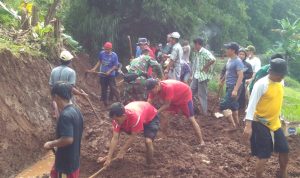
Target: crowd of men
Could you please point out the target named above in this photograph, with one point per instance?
(176, 80)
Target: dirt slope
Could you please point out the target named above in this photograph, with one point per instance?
(24, 116)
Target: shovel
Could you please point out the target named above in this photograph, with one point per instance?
(90, 103)
(93, 108)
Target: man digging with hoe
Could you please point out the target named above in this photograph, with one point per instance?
(134, 118)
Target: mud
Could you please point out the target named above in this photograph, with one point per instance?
(178, 155)
(226, 154)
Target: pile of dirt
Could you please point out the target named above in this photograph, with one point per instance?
(24, 102)
(179, 155)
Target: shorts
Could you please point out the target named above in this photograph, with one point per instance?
(55, 174)
(228, 102)
(262, 144)
(187, 109)
(151, 129)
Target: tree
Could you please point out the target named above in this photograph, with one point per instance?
(289, 44)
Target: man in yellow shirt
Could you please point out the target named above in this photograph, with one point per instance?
(263, 119)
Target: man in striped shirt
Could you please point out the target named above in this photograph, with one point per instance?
(202, 65)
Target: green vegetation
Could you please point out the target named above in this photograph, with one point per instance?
(247, 22)
(16, 49)
(289, 44)
(291, 105)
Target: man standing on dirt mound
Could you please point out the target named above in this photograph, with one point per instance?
(108, 63)
(263, 123)
(68, 133)
(176, 96)
(66, 74)
(134, 118)
(233, 78)
(173, 69)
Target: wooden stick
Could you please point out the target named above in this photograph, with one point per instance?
(130, 47)
(101, 170)
(95, 72)
(92, 106)
(98, 172)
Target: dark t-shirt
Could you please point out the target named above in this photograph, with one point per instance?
(70, 124)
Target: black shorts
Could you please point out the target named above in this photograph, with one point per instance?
(228, 102)
(262, 144)
(151, 129)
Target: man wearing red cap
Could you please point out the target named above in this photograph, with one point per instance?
(108, 63)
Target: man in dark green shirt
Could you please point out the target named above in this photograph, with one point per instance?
(264, 71)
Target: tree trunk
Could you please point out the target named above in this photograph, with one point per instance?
(35, 16)
(52, 11)
(24, 20)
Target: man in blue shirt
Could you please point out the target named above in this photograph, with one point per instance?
(233, 79)
(108, 63)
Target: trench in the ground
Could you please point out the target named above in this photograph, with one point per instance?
(40, 168)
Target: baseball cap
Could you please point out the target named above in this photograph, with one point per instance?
(66, 56)
(116, 109)
(142, 41)
(151, 83)
(107, 45)
(278, 66)
(250, 48)
(175, 35)
(232, 45)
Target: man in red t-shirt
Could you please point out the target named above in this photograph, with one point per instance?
(176, 96)
(134, 118)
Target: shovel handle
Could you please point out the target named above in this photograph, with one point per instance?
(101, 170)
(88, 71)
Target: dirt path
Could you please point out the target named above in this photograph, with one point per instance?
(179, 155)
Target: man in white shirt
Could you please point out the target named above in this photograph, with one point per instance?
(253, 60)
(173, 70)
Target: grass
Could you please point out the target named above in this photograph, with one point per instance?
(17, 49)
(291, 101)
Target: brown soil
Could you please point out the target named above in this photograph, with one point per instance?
(24, 105)
(179, 155)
